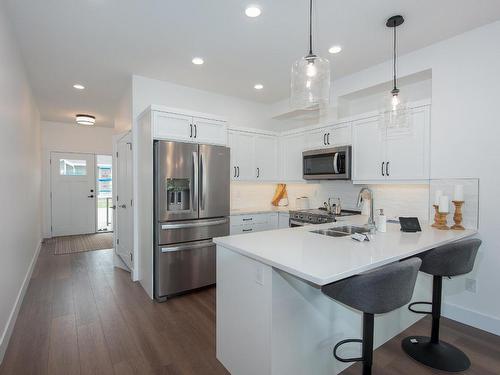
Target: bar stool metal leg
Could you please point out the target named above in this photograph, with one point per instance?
(368, 320)
(430, 351)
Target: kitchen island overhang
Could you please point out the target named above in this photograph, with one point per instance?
(271, 315)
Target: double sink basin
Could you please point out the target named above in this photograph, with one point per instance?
(345, 230)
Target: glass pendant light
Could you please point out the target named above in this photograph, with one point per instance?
(310, 78)
(396, 112)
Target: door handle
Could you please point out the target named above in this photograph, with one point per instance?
(387, 168)
(324, 139)
(113, 207)
(383, 168)
(195, 130)
(194, 224)
(203, 183)
(328, 138)
(123, 206)
(90, 196)
(238, 171)
(191, 133)
(258, 172)
(206, 243)
(234, 175)
(194, 183)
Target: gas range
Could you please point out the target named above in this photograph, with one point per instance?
(300, 218)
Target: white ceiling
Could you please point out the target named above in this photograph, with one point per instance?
(101, 43)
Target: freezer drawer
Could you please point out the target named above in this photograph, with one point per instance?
(183, 267)
(192, 230)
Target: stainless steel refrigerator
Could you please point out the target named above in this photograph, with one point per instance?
(191, 207)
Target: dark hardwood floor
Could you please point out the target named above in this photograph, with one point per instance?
(82, 316)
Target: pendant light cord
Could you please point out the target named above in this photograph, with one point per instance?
(394, 59)
(310, 27)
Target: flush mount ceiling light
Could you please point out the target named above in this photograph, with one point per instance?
(253, 11)
(79, 86)
(310, 78)
(335, 49)
(258, 86)
(197, 61)
(396, 114)
(87, 120)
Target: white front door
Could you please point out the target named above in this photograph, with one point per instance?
(123, 198)
(72, 193)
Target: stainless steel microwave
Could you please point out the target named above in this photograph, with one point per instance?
(327, 164)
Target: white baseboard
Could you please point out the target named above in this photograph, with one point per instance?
(4, 340)
(472, 318)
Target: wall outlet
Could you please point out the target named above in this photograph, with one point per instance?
(470, 285)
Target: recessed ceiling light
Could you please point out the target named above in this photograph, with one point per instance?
(197, 61)
(253, 11)
(258, 86)
(335, 49)
(82, 119)
(78, 86)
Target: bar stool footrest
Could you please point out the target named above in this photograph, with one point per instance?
(346, 360)
(441, 355)
(410, 307)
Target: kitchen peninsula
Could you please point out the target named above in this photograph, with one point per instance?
(268, 293)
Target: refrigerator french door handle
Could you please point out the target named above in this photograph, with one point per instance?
(203, 184)
(195, 182)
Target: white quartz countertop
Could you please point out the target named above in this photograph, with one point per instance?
(258, 210)
(322, 259)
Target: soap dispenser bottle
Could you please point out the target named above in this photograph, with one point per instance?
(381, 221)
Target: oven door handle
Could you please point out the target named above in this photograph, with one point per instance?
(335, 163)
(297, 222)
(169, 249)
(194, 224)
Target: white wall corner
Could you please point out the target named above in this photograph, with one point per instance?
(9, 327)
(472, 318)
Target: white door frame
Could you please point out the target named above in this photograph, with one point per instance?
(118, 261)
(51, 186)
(96, 191)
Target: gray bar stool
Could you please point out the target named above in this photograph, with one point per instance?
(374, 292)
(448, 260)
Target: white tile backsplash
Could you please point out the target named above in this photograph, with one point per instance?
(396, 200)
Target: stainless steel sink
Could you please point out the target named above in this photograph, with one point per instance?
(345, 230)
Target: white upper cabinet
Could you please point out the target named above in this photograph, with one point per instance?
(254, 157)
(408, 151)
(368, 149)
(242, 155)
(266, 157)
(381, 154)
(291, 149)
(185, 128)
(209, 131)
(332, 136)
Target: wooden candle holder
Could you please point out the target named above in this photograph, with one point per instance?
(440, 219)
(457, 217)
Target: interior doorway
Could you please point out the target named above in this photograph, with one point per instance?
(104, 184)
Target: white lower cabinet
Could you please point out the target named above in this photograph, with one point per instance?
(258, 222)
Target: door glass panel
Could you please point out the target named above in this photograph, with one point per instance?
(70, 167)
(178, 194)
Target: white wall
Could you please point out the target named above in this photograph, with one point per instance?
(238, 112)
(69, 137)
(123, 116)
(20, 198)
(464, 143)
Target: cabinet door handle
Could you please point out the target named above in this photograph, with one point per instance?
(238, 171)
(387, 168)
(258, 172)
(195, 130)
(247, 230)
(383, 168)
(324, 139)
(191, 132)
(234, 175)
(328, 138)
